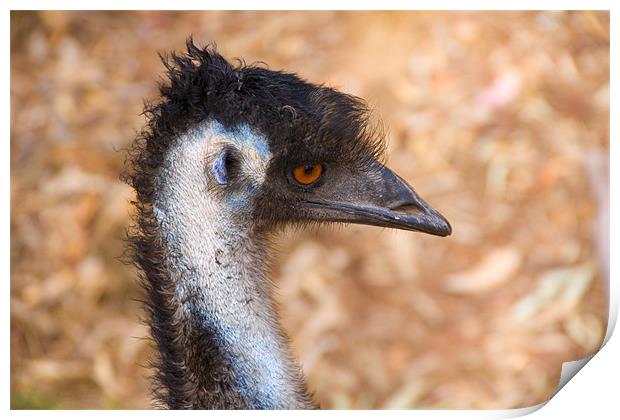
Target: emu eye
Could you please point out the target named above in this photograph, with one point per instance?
(308, 174)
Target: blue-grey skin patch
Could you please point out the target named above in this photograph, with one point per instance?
(244, 135)
(261, 392)
(249, 394)
(242, 197)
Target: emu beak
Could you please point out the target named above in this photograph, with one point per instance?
(385, 200)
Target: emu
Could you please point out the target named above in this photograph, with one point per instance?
(228, 156)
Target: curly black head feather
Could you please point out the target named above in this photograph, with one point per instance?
(298, 118)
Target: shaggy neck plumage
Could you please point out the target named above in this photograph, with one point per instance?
(212, 315)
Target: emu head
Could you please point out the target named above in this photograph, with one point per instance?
(282, 150)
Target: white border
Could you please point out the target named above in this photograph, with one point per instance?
(594, 392)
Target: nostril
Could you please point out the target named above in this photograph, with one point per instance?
(407, 208)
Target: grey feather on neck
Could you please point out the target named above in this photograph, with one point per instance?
(235, 351)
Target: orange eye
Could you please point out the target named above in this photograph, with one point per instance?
(307, 174)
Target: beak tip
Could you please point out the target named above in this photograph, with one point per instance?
(446, 229)
(441, 225)
(442, 228)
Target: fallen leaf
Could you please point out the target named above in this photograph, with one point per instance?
(497, 267)
(565, 286)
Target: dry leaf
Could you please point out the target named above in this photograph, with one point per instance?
(497, 267)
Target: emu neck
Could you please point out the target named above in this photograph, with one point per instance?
(230, 351)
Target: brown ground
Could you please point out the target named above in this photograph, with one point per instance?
(497, 119)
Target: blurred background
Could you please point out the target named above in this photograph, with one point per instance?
(500, 120)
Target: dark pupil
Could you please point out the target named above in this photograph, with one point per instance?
(308, 169)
